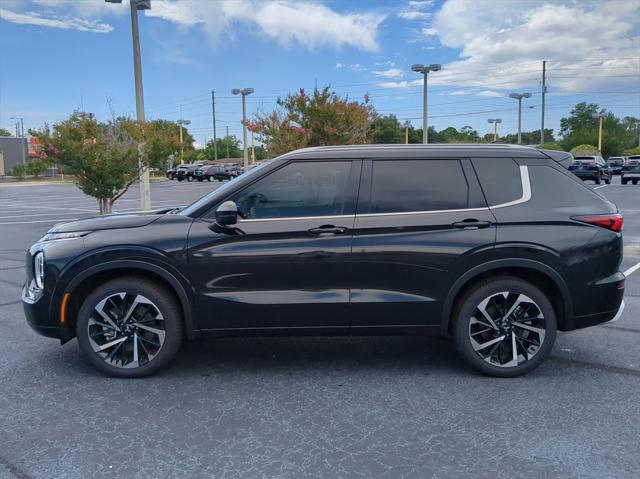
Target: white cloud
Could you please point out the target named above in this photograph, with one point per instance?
(490, 94)
(400, 84)
(286, 22)
(389, 73)
(415, 10)
(356, 67)
(503, 48)
(62, 22)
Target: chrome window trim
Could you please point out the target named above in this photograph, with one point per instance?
(240, 220)
(526, 196)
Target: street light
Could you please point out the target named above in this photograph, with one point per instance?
(519, 97)
(145, 190)
(495, 122)
(425, 69)
(21, 136)
(244, 92)
(182, 122)
(599, 116)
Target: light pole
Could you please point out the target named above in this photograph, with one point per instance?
(244, 92)
(599, 116)
(495, 122)
(182, 122)
(519, 97)
(425, 69)
(21, 136)
(145, 190)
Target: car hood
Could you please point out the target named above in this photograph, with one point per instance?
(107, 222)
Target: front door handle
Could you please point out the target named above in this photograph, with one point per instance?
(471, 224)
(328, 230)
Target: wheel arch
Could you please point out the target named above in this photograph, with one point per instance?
(537, 273)
(98, 274)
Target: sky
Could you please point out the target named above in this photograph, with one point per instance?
(62, 55)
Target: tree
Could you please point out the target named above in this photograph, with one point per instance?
(550, 146)
(104, 157)
(5, 132)
(581, 128)
(387, 129)
(229, 144)
(530, 137)
(322, 118)
(585, 149)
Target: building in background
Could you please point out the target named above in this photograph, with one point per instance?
(14, 151)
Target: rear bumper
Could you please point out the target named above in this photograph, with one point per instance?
(585, 175)
(610, 296)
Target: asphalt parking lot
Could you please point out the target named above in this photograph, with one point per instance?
(309, 407)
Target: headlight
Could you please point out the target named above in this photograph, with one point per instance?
(38, 269)
(63, 236)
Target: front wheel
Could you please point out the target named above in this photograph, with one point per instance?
(635, 182)
(129, 328)
(607, 181)
(189, 178)
(623, 181)
(504, 327)
(598, 179)
(208, 178)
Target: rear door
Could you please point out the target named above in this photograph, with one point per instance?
(417, 223)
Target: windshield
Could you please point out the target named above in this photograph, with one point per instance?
(220, 190)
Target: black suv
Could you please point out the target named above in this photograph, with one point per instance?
(591, 168)
(630, 170)
(615, 164)
(213, 172)
(498, 246)
(183, 172)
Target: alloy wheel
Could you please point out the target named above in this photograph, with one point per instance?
(126, 330)
(507, 329)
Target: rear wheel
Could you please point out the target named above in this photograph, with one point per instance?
(598, 179)
(208, 178)
(607, 181)
(623, 181)
(635, 182)
(129, 328)
(189, 178)
(504, 327)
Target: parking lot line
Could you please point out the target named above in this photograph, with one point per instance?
(602, 186)
(633, 269)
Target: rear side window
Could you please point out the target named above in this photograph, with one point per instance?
(553, 189)
(500, 179)
(399, 186)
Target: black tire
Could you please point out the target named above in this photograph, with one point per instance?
(189, 178)
(623, 181)
(467, 308)
(208, 178)
(598, 179)
(162, 300)
(607, 181)
(635, 182)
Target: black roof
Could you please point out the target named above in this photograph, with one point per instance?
(426, 151)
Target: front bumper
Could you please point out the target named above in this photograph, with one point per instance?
(35, 304)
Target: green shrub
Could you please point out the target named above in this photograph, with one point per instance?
(549, 146)
(36, 167)
(584, 150)
(20, 171)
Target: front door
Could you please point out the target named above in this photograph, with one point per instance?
(417, 224)
(286, 268)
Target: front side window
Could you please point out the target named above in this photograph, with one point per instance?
(417, 185)
(299, 189)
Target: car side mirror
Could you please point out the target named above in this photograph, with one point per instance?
(227, 213)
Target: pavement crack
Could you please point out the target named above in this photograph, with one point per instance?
(620, 328)
(10, 303)
(13, 469)
(598, 366)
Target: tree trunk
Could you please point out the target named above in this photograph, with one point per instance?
(105, 206)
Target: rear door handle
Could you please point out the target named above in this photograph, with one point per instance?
(471, 224)
(328, 230)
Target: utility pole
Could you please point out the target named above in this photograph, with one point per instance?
(599, 116)
(544, 92)
(227, 141)
(406, 135)
(253, 150)
(20, 134)
(425, 69)
(213, 109)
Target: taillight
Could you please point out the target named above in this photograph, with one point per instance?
(611, 222)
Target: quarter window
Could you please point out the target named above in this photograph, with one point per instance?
(417, 185)
(299, 189)
(500, 179)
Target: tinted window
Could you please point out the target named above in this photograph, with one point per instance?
(417, 185)
(500, 179)
(553, 189)
(303, 188)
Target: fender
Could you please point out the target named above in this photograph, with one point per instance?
(161, 271)
(500, 264)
